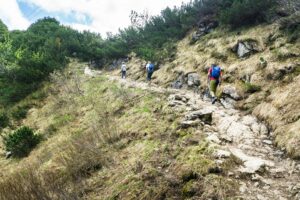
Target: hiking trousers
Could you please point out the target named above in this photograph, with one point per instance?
(149, 75)
(213, 84)
(124, 74)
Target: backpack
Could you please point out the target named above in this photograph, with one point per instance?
(215, 72)
(151, 67)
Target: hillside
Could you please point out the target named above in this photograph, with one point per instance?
(147, 142)
(264, 83)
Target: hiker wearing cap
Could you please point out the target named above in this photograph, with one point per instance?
(149, 70)
(214, 80)
(123, 70)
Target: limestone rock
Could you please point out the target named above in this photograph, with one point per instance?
(187, 124)
(251, 164)
(204, 115)
(214, 138)
(88, 72)
(193, 80)
(278, 172)
(246, 48)
(186, 80)
(176, 103)
(268, 142)
(8, 155)
(222, 154)
(231, 92)
(225, 138)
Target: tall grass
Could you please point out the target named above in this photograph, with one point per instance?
(73, 160)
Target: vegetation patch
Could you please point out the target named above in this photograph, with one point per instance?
(4, 119)
(21, 141)
(250, 88)
(238, 13)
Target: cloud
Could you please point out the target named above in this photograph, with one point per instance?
(104, 15)
(12, 16)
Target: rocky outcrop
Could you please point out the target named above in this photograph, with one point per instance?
(251, 165)
(231, 92)
(193, 80)
(204, 115)
(246, 48)
(184, 81)
(205, 26)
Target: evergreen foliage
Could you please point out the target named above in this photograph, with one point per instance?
(21, 141)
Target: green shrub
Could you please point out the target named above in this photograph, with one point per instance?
(291, 26)
(250, 88)
(246, 12)
(4, 120)
(19, 112)
(21, 141)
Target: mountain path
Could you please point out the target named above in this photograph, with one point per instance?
(265, 173)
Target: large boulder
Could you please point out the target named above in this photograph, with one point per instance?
(231, 92)
(189, 80)
(246, 48)
(205, 115)
(193, 80)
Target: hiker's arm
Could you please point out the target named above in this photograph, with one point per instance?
(208, 76)
(221, 78)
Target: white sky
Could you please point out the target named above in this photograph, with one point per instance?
(105, 15)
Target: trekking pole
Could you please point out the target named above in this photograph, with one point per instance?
(208, 88)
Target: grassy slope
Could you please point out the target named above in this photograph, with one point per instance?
(278, 101)
(104, 141)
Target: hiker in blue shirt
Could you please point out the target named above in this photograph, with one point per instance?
(214, 79)
(150, 70)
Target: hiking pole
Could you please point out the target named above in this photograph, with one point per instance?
(208, 89)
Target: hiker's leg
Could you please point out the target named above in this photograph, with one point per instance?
(213, 88)
(150, 75)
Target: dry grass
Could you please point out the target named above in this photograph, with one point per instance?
(108, 142)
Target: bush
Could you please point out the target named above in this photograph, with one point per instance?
(246, 12)
(21, 141)
(20, 112)
(291, 26)
(4, 120)
(251, 88)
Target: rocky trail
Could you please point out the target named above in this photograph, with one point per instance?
(265, 171)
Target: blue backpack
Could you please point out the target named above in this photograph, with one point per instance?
(151, 67)
(215, 72)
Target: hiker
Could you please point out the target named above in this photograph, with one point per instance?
(214, 80)
(149, 70)
(123, 70)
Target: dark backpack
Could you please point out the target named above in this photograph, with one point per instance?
(151, 67)
(216, 72)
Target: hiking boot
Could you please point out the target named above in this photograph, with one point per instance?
(214, 100)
